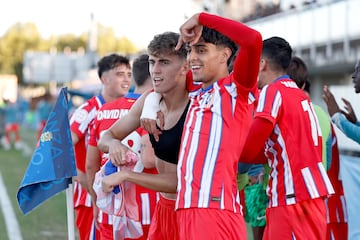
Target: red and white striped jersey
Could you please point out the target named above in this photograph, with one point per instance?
(217, 124)
(80, 124)
(106, 116)
(109, 114)
(294, 147)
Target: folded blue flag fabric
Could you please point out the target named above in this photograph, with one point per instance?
(52, 165)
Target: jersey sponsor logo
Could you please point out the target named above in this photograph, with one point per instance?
(216, 199)
(111, 114)
(290, 195)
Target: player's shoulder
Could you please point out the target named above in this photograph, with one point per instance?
(91, 102)
(110, 105)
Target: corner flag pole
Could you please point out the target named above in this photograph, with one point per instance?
(70, 212)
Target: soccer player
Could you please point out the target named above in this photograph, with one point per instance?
(168, 69)
(286, 134)
(114, 72)
(336, 215)
(138, 141)
(216, 125)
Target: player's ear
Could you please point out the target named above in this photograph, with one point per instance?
(263, 64)
(185, 68)
(226, 54)
(103, 79)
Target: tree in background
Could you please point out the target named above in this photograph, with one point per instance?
(22, 37)
(18, 39)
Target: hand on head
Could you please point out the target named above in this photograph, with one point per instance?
(190, 31)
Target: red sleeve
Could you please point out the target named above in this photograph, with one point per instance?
(253, 151)
(93, 134)
(74, 126)
(247, 61)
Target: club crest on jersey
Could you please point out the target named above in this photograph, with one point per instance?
(81, 115)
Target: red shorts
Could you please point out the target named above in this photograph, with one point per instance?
(12, 127)
(164, 224)
(208, 224)
(85, 223)
(305, 220)
(337, 231)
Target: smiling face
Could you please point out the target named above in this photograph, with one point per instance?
(208, 62)
(117, 80)
(356, 77)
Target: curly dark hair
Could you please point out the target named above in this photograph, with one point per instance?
(165, 43)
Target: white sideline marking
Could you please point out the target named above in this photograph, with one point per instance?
(12, 225)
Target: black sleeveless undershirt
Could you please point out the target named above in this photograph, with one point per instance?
(168, 146)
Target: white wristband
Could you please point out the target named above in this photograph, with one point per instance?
(151, 106)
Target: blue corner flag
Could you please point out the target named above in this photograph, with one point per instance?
(52, 165)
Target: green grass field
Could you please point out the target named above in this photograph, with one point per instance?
(49, 220)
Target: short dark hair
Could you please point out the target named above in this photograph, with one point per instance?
(212, 36)
(278, 51)
(298, 71)
(111, 61)
(165, 43)
(140, 69)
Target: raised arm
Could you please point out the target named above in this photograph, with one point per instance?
(247, 62)
(350, 129)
